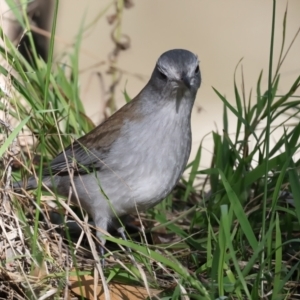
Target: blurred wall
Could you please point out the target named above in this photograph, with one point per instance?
(220, 32)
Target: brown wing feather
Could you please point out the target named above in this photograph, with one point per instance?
(88, 152)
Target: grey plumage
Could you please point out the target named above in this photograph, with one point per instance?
(136, 156)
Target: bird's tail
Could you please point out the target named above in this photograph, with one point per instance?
(31, 184)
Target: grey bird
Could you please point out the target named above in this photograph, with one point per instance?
(134, 159)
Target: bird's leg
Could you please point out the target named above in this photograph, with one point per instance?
(121, 231)
(101, 247)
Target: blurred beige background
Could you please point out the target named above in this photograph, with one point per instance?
(220, 32)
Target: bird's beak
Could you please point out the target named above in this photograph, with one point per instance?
(185, 80)
(184, 84)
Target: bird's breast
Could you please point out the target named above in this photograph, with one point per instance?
(150, 156)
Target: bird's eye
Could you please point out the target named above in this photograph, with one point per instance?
(197, 69)
(162, 75)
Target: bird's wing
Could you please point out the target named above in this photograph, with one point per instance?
(89, 152)
(76, 157)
